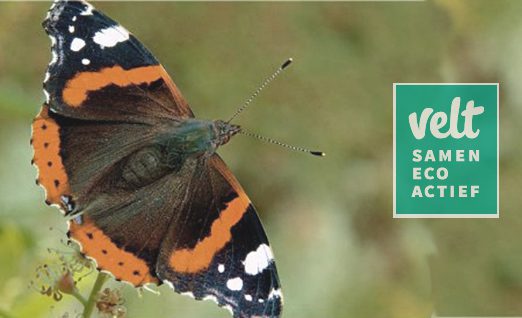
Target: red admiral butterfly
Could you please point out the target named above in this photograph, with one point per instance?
(119, 151)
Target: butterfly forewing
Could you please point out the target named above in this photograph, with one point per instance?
(99, 70)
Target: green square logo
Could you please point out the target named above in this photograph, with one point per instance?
(446, 150)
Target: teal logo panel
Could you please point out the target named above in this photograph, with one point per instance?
(446, 150)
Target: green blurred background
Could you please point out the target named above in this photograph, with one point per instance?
(339, 252)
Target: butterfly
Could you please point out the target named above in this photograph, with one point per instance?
(119, 151)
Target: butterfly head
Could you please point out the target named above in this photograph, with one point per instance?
(225, 131)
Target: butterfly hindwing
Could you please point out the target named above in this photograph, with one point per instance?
(46, 144)
(195, 230)
(231, 262)
(82, 166)
(123, 228)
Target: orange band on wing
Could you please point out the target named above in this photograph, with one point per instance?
(46, 144)
(122, 264)
(76, 89)
(200, 257)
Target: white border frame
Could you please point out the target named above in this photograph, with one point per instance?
(444, 215)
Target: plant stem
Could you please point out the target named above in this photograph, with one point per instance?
(98, 284)
(79, 297)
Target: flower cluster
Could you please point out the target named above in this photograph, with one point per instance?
(111, 304)
(57, 276)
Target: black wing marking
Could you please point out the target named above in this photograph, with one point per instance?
(241, 274)
(89, 45)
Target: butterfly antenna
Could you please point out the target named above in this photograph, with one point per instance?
(260, 88)
(272, 141)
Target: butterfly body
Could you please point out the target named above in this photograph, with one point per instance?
(190, 138)
(194, 138)
(119, 151)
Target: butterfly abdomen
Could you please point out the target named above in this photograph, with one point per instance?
(145, 166)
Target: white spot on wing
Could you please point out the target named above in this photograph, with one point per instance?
(235, 284)
(54, 57)
(88, 9)
(109, 37)
(74, 18)
(54, 13)
(190, 294)
(77, 44)
(53, 40)
(256, 261)
(275, 293)
(47, 97)
(221, 268)
(71, 28)
(260, 300)
(248, 297)
(78, 220)
(86, 61)
(169, 284)
(46, 78)
(211, 297)
(150, 288)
